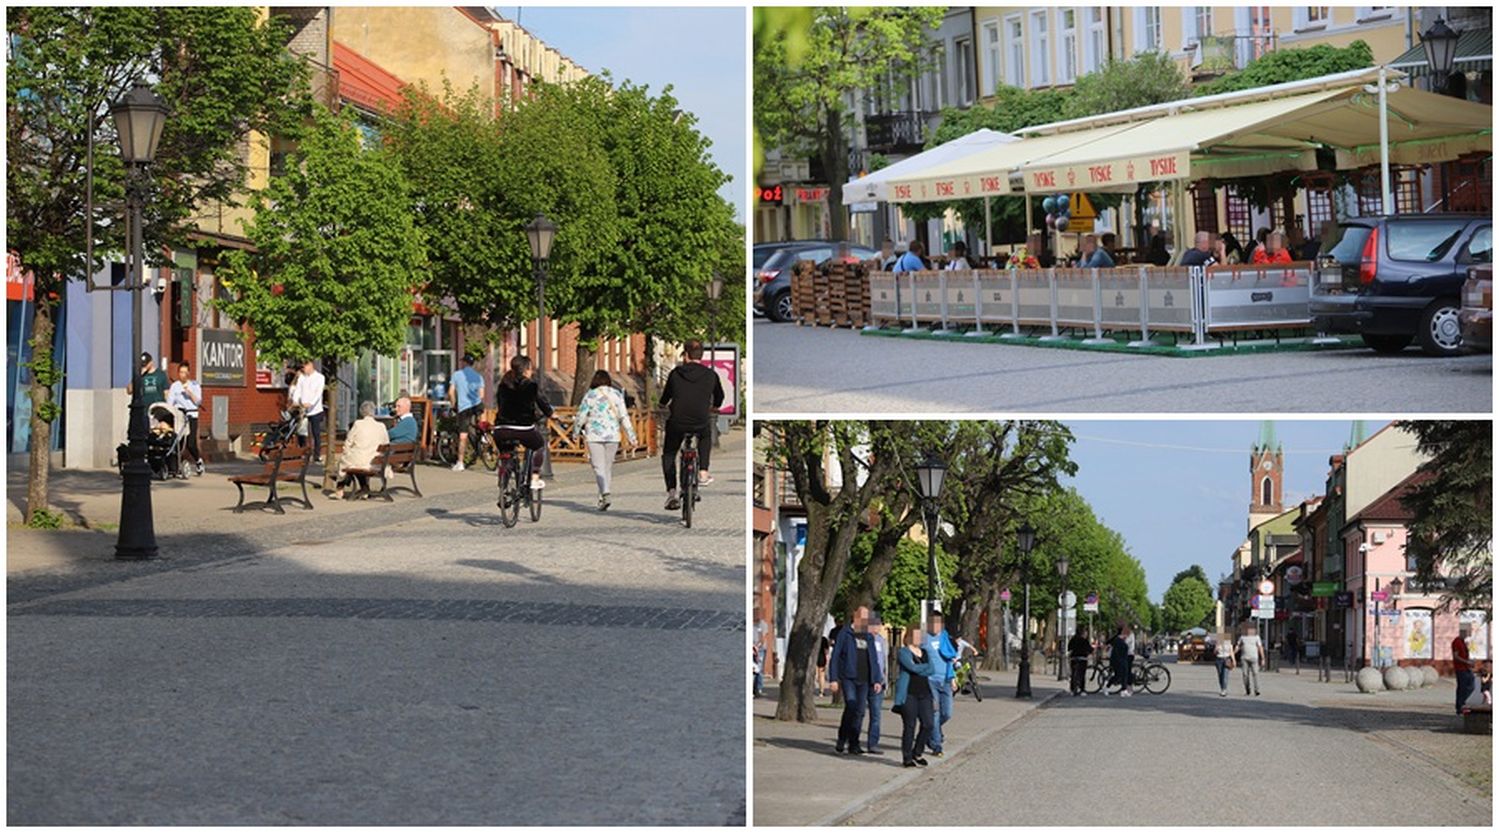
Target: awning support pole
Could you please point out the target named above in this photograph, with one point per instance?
(1386, 197)
(988, 231)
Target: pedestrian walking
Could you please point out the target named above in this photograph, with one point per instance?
(1251, 658)
(943, 652)
(1462, 665)
(881, 657)
(1079, 649)
(851, 665)
(913, 696)
(601, 417)
(186, 395)
(308, 395)
(1223, 655)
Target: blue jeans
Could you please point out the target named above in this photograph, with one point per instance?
(942, 705)
(876, 705)
(855, 697)
(1466, 682)
(1222, 674)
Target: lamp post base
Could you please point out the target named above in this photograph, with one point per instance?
(1023, 681)
(137, 537)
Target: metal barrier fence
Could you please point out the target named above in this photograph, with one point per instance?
(1145, 299)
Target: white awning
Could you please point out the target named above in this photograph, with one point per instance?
(874, 186)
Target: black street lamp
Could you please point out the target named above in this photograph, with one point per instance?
(1062, 610)
(929, 475)
(139, 118)
(540, 233)
(1440, 44)
(1025, 540)
(715, 290)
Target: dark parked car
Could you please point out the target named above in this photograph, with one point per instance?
(1477, 314)
(1397, 279)
(772, 263)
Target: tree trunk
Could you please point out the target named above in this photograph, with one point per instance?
(830, 535)
(587, 360)
(835, 168)
(995, 658)
(41, 399)
(650, 373)
(330, 421)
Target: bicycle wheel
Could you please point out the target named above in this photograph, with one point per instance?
(534, 502)
(973, 683)
(1096, 677)
(510, 494)
(689, 491)
(1157, 679)
(445, 448)
(471, 452)
(488, 454)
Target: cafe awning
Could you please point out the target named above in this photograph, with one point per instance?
(874, 186)
(1474, 53)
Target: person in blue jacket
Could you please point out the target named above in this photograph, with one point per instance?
(852, 667)
(913, 696)
(881, 682)
(911, 261)
(943, 652)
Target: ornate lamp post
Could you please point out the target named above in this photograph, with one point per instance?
(1062, 610)
(139, 118)
(1025, 540)
(1440, 43)
(540, 233)
(929, 476)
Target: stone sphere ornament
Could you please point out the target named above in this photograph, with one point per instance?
(1429, 676)
(1369, 680)
(1395, 678)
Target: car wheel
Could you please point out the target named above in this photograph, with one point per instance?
(1386, 344)
(780, 308)
(1441, 334)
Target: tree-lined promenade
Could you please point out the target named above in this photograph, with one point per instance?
(429, 199)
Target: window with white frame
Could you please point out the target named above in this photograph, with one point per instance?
(1204, 16)
(1189, 27)
(1066, 46)
(1311, 17)
(993, 56)
(1364, 13)
(963, 47)
(1040, 49)
(1098, 42)
(1015, 51)
(1147, 29)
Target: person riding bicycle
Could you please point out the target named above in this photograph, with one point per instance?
(693, 394)
(519, 399)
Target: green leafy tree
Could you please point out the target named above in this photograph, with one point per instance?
(1194, 571)
(803, 84)
(1283, 65)
(222, 72)
(905, 585)
(447, 146)
(1187, 604)
(337, 257)
(1451, 536)
(1149, 78)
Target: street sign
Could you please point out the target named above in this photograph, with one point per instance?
(1090, 603)
(1324, 588)
(1263, 613)
(1379, 596)
(1004, 595)
(1067, 600)
(1267, 586)
(1080, 208)
(1294, 574)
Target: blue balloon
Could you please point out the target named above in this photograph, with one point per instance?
(1049, 205)
(1062, 222)
(1062, 203)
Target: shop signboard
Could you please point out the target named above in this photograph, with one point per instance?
(1344, 599)
(1294, 574)
(1324, 588)
(221, 358)
(1379, 596)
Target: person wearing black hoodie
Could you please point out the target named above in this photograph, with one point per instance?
(522, 413)
(692, 395)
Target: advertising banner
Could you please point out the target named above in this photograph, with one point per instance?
(995, 295)
(1153, 168)
(1478, 633)
(1418, 636)
(724, 359)
(1245, 296)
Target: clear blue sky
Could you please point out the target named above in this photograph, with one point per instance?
(699, 51)
(1179, 491)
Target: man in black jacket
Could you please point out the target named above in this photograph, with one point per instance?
(1080, 649)
(693, 395)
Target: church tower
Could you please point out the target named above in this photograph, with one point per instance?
(1266, 476)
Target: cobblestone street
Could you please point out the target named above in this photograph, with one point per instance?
(414, 663)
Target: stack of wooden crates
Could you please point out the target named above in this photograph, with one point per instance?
(839, 298)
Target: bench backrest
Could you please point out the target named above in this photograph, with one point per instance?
(399, 455)
(291, 461)
(382, 456)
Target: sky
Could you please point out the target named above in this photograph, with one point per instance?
(701, 52)
(1179, 490)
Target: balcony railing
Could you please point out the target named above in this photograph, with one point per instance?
(898, 132)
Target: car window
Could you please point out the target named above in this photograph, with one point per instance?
(1425, 241)
(1350, 245)
(1480, 248)
(815, 255)
(762, 255)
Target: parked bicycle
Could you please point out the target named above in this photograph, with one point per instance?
(481, 445)
(1145, 675)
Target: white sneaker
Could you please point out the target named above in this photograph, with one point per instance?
(537, 484)
(1082, 694)
(1223, 694)
(458, 466)
(704, 479)
(1124, 693)
(1105, 692)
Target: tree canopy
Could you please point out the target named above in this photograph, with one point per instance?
(1451, 536)
(1187, 604)
(1280, 66)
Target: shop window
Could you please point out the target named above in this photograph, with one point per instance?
(1240, 216)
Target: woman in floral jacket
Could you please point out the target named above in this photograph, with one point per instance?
(601, 417)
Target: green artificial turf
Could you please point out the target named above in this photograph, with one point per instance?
(1161, 343)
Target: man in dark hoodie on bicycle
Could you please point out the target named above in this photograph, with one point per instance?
(692, 395)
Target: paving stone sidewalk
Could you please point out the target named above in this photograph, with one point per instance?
(800, 781)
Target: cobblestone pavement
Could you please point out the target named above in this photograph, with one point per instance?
(1304, 753)
(407, 664)
(820, 370)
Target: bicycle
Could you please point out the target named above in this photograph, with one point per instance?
(480, 448)
(968, 678)
(515, 482)
(688, 478)
(1151, 676)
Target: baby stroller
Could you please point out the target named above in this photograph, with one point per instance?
(166, 436)
(278, 434)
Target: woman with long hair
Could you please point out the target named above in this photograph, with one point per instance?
(601, 417)
(519, 399)
(913, 697)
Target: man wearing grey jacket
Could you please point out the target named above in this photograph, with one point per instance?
(880, 655)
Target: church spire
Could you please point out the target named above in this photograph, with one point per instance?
(1267, 441)
(1357, 435)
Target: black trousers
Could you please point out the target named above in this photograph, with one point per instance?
(315, 433)
(915, 712)
(674, 438)
(855, 696)
(530, 438)
(192, 438)
(1079, 673)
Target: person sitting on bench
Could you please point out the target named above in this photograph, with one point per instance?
(361, 445)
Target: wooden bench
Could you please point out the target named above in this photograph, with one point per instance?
(401, 458)
(285, 465)
(1478, 719)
